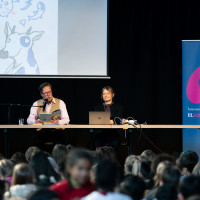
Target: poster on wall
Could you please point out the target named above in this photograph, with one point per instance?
(191, 93)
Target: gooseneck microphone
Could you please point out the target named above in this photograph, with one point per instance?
(44, 105)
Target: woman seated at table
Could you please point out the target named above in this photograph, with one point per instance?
(109, 137)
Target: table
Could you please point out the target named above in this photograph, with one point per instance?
(91, 127)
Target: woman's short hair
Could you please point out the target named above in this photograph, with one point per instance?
(109, 88)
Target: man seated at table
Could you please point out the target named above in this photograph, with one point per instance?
(51, 103)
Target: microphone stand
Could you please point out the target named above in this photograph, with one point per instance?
(6, 138)
(10, 105)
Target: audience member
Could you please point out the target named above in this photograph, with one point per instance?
(6, 169)
(149, 155)
(145, 173)
(132, 165)
(133, 186)
(187, 162)
(23, 179)
(105, 153)
(18, 157)
(158, 159)
(43, 170)
(107, 177)
(30, 152)
(189, 186)
(166, 192)
(77, 184)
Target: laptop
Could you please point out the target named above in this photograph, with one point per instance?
(99, 117)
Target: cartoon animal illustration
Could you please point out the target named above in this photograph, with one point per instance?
(19, 47)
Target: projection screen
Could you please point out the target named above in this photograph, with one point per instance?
(53, 38)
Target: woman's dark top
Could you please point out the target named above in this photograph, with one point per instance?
(116, 110)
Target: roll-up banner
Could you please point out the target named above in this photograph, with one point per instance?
(191, 93)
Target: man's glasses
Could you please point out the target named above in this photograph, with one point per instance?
(47, 93)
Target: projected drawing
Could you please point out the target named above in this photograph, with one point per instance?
(18, 47)
(6, 7)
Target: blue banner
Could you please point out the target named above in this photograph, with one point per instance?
(191, 93)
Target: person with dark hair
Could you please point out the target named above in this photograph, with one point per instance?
(189, 186)
(186, 162)
(133, 186)
(51, 104)
(146, 175)
(30, 152)
(18, 157)
(77, 170)
(107, 177)
(43, 169)
(108, 137)
(23, 182)
(166, 192)
(43, 194)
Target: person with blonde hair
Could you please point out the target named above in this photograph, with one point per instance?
(133, 165)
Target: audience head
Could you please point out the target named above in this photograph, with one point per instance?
(18, 157)
(170, 175)
(6, 168)
(105, 153)
(159, 171)
(78, 164)
(41, 166)
(189, 186)
(158, 159)
(166, 192)
(149, 155)
(132, 165)
(30, 152)
(23, 174)
(107, 175)
(60, 151)
(187, 162)
(43, 194)
(133, 186)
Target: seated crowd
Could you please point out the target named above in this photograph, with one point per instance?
(73, 173)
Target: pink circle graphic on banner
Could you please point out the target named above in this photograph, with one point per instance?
(193, 87)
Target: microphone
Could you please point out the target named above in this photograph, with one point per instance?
(44, 105)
